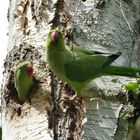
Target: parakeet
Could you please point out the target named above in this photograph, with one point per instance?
(23, 81)
(79, 66)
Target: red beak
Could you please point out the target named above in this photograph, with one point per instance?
(29, 69)
(54, 36)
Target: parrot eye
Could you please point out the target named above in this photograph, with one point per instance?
(29, 69)
(54, 37)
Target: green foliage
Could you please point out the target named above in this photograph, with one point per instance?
(134, 88)
(131, 86)
(131, 112)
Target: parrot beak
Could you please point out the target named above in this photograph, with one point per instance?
(29, 70)
(54, 37)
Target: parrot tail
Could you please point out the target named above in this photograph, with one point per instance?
(121, 71)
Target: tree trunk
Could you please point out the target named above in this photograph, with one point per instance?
(106, 26)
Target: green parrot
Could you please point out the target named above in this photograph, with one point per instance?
(23, 81)
(79, 66)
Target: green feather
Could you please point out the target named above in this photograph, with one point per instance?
(23, 82)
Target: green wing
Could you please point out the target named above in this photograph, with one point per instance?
(88, 67)
(83, 51)
(16, 77)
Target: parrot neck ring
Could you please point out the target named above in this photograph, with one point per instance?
(29, 69)
(54, 37)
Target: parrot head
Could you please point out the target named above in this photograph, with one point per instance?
(29, 69)
(26, 68)
(55, 40)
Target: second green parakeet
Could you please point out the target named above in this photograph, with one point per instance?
(23, 81)
(78, 67)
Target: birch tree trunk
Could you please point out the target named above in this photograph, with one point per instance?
(106, 26)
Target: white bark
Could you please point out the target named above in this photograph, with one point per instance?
(110, 27)
(26, 42)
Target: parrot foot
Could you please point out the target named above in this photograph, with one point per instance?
(68, 98)
(68, 101)
(73, 97)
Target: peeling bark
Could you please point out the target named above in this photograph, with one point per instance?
(107, 26)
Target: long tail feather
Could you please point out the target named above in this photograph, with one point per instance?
(121, 71)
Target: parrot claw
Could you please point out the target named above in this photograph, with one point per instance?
(68, 99)
(73, 97)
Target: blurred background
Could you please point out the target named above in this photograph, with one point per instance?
(3, 34)
(3, 44)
